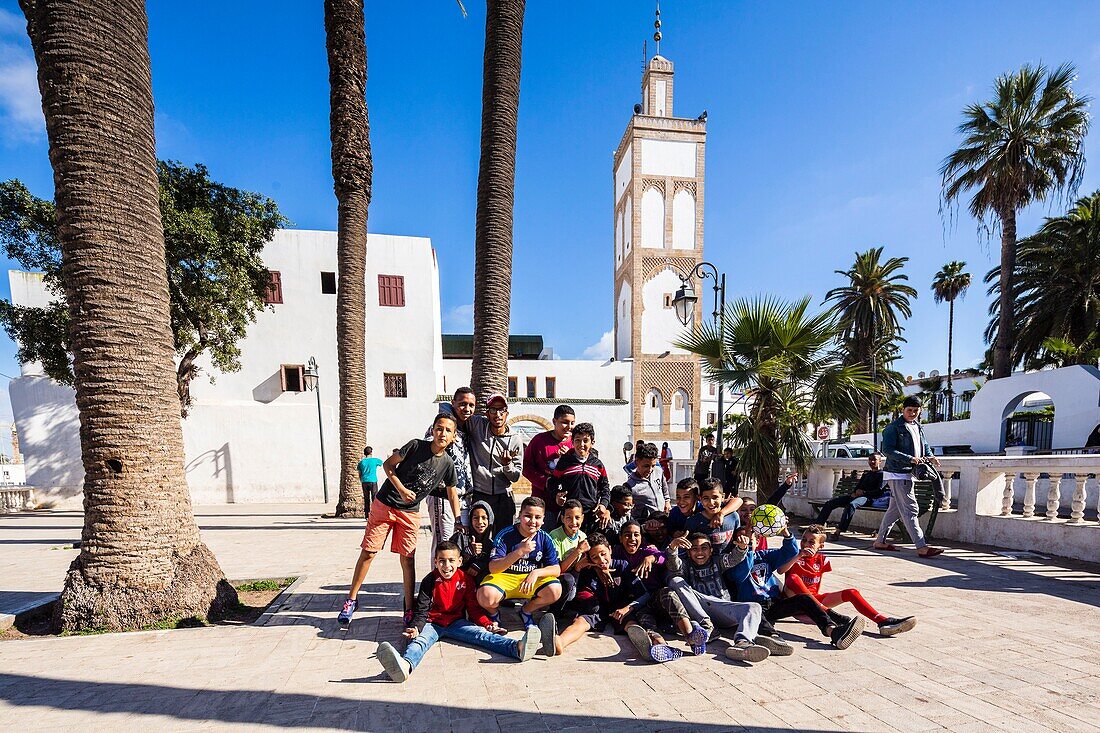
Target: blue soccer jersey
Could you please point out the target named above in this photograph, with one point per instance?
(543, 555)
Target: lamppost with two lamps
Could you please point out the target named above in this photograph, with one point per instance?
(311, 376)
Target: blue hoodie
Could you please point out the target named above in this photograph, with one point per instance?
(754, 577)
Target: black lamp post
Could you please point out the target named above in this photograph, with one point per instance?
(684, 304)
(312, 378)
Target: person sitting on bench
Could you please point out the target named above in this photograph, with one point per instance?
(866, 491)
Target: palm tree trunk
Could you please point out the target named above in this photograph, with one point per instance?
(141, 560)
(495, 195)
(950, 340)
(352, 168)
(1002, 350)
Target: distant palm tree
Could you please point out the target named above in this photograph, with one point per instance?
(352, 170)
(950, 282)
(1020, 147)
(870, 309)
(787, 361)
(141, 559)
(496, 196)
(1056, 285)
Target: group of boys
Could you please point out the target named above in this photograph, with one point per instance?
(583, 556)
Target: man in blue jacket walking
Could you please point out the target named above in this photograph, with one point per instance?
(905, 447)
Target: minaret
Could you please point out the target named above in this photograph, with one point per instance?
(658, 177)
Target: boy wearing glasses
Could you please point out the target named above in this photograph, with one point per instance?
(496, 457)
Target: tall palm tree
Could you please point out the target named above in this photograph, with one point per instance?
(870, 309)
(141, 560)
(1056, 284)
(788, 363)
(495, 195)
(950, 282)
(1022, 146)
(352, 168)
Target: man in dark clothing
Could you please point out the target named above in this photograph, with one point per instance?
(725, 470)
(705, 457)
(867, 490)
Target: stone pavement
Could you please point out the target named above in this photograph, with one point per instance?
(1002, 645)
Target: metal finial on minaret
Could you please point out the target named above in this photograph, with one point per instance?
(657, 28)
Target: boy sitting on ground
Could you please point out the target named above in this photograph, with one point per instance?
(756, 581)
(447, 608)
(655, 531)
(648, 564)
(524, 565)
(713, 520)
(571, 543)
(607, 593)
(804, 576)
(687, 506)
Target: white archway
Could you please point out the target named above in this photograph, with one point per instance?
(683, 220)
(679, 420)
(653, 218)
(653, 412)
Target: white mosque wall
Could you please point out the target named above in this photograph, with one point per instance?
(660, 326)
(674, 158)
(623, 333)
(623, 172)
(628, 226)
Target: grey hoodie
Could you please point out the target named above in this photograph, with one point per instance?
(489, 474)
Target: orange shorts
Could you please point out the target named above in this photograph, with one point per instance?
(383, 520)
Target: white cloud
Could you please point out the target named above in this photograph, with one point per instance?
(602, 349)
(459, 319)
(20, 102)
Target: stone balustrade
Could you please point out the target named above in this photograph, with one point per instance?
(1046, 504)
(16, 498)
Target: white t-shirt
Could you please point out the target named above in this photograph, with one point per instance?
(918, 448)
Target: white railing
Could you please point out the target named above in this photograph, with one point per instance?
(16, 498)
(1047, 504)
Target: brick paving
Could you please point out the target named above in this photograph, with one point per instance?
(1002, 645)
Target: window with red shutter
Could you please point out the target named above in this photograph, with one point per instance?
(391, 291)
(274, 293)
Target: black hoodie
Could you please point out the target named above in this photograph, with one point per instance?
(476, 565)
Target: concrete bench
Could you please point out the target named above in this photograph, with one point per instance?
(926, 502)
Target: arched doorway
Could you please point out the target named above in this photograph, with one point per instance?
(1028, 422)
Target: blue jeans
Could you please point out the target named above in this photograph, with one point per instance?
(460, 630)
(850, 504)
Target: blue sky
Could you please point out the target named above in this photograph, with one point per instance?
(827, 124)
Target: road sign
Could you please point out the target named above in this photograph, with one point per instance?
(823, 432)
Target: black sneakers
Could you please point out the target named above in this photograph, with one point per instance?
(892, 626)
(845, 635)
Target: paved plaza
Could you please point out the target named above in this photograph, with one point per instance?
(1002, 645)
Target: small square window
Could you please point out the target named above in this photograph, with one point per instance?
(292, 377)
(618, 388)
(274, 292)
(531, 381)
(391, 291)
(395, 385)
(513, 388)
(551, 387)
(711, 388)
(328, 283)
(712, 418)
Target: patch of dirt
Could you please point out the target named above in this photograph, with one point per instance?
(253, 598)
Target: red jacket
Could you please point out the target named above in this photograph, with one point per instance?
(540, 459)
(443, 602)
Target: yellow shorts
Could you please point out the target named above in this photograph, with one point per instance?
(508, 584)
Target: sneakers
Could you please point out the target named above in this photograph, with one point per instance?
(345, 615)
(745, 651)
(845, 635)
(396, 666)
(639, 637)
(698, 639)
(661, 653)
(528, 619)
(548, 628)
(776, 647)
(529, 643)
(892, 626)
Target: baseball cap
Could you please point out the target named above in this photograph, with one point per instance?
(495, 397)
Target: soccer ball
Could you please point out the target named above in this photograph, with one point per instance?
(767, 520)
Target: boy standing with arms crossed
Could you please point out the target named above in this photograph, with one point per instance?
(411, 474)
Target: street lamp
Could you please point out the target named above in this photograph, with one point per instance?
(684, 304)
(312, 378)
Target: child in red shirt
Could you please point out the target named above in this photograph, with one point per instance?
(447, 607)
(804, 573)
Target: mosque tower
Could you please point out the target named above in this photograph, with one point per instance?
(659, 193)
